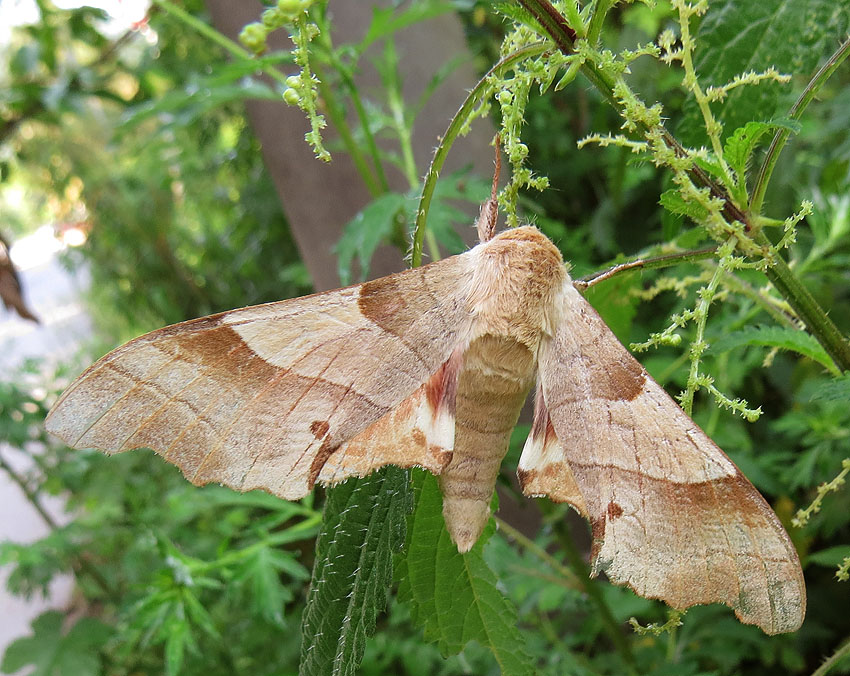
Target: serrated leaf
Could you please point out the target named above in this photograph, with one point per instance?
(260, 574)
(364, 527)
(740, 146)
(837, 389)
(777, 336)
(674, 203)
(363, 233)
(454, 596)
(53, 653)
(792, 35)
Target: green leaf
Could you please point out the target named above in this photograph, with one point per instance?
(673, 201)
(735, 36)
(830, 557)
(837, 389)
(455, 596)
(740, 146)
(261, 572)
(777, 336)
(363, 233)
(51, 652)
(364, 526)
(390, 20)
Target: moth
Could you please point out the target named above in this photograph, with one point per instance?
(429, 368)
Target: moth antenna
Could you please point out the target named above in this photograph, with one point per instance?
(489, 214)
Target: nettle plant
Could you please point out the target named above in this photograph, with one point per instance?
(718, 186)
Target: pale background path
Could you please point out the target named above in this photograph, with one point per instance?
(53, 295)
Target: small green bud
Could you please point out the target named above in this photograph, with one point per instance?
(253, 36)
(505, 97)
(291, 97)
(273, 18)
(518, 153)
(293, 81)
(290, 8)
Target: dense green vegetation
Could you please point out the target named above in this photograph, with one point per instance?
(184, 221)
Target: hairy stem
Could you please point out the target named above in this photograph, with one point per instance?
(458, 122)
(645, 264)
(841, 652)
(786, 283)
(781, 136)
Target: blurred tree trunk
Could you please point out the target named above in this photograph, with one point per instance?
(319, 198)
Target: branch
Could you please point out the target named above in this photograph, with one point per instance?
(798, 297)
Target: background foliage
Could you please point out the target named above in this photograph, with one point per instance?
(149, 145)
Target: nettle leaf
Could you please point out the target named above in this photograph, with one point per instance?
(777, 336)
(364, 526)
(365, 232)
(52, 652)
(740, 146)
(455, 596)
(734, 36)
(673, 201)
(837, 389)
(260, 574)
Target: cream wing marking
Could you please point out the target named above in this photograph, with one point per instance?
(671, 515)
(263, 397)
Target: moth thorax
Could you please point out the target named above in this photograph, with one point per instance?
(518, 276)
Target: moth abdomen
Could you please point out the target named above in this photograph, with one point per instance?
(492, 387)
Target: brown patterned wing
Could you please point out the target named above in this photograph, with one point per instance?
(279, 396)
(671, 515)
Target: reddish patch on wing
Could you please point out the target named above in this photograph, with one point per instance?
(614, 511)
(319, 428)
(441, 388)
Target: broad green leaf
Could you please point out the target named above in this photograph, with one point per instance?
(364, 526)
(795, 36)
(672, 201)
(363, 233)
(455, 596)
(777, 336)
(52, 652)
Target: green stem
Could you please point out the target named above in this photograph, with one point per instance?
(600, 11)
(594, 593)
(460, 119)
(807, 308)
(83, 564)
(781, 136)
(337, 115)
(698, 345)
(539, 552)
(208, 31)
(351, 88)
(798, 297)
(664, 261)
(831, 661)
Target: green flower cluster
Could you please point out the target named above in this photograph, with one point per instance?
(254, 35)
